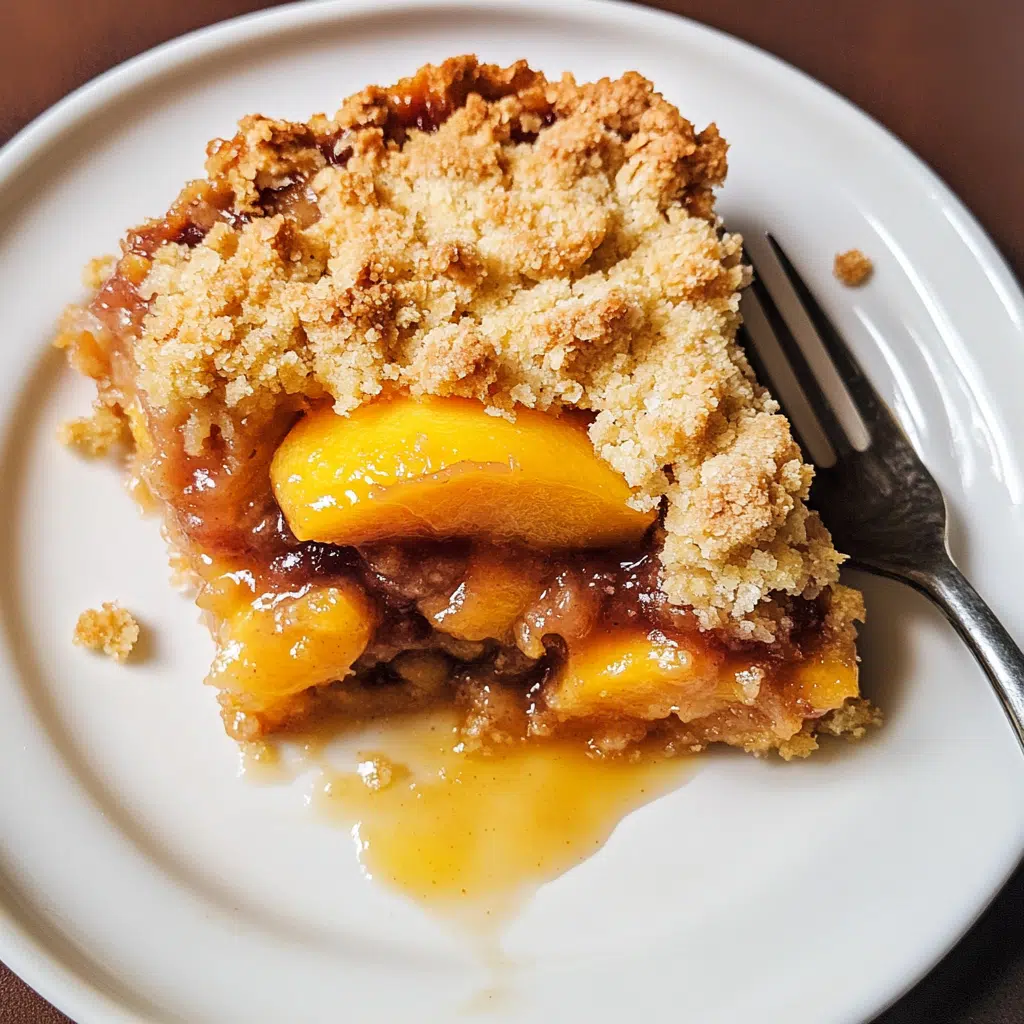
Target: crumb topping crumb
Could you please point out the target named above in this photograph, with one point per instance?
(850, 721)
(534, 243)
(97, 270)
(852, 267)
(109, 628)
(94, 435)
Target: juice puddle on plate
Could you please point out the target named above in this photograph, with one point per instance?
(466, 832)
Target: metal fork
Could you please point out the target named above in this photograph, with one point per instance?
(883, 507)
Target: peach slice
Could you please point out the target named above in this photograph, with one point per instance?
(442, 467)
(486, 604)
(637, 674)
(281, 644)
(826, 680)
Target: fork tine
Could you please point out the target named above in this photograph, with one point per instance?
(816, 397)
(873, 410)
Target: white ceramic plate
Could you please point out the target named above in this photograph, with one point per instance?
(143, 880)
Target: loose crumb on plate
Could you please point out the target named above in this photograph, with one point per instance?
(852, 267)
(109, 628)
(96, 434)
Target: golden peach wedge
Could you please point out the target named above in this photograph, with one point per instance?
(443, 467)
(825, 680)
(494, 593)
(281, 644)
(636, 673)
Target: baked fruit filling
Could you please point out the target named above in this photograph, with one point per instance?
(441, 401)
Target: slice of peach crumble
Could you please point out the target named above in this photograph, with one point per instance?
(442, 402)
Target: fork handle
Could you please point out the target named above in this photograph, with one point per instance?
(987, 638)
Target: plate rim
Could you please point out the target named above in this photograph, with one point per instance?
(21, 947)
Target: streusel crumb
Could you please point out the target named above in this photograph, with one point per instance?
(852, 267)
(852, 720)
(97, 270)
(532, 243)
(94, 435)
(109, 628)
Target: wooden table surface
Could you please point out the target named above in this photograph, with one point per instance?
(947, 76)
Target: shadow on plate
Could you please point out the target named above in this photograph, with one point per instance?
(982, 978)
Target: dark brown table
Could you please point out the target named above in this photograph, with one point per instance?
(947, 76)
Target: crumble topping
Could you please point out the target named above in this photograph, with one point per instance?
(109, 628)
(531, 243)
(852, 267)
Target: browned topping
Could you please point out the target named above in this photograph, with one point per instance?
(481, 231)
(109, 628)
(852, 267)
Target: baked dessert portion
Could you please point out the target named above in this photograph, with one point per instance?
(441, 400)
